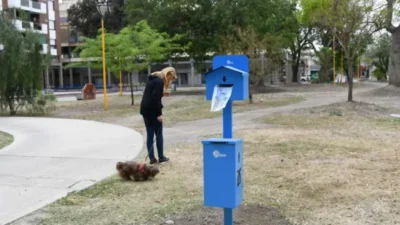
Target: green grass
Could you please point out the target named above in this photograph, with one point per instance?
(5, 139)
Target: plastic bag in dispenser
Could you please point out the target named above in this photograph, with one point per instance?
(220, 97)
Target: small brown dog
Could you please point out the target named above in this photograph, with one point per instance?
(131, 170)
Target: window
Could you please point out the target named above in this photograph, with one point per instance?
(183, 78)
(63, 20)
(51, 25)
(53, 42)
(43, 39)
(51, 5)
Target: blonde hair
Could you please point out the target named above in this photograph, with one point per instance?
(165, 71)
(163, 75)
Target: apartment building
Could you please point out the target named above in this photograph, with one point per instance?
(40, 16)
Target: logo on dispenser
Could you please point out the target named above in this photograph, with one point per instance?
(218, 154)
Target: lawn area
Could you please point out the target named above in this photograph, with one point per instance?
(198, 108)
(118, 106)
(5, 139)
(335, 164)
(176, 108)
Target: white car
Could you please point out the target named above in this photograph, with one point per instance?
(304, 79)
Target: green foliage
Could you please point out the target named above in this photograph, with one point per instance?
(379, 74)
(349, 21)
(42, 104)
(84, 17)
(196, 21)
(21, 66)
(312, 11)
(132, 49)
(205, 24)
(379, 53)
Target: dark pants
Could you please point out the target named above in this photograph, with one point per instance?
(154, 127)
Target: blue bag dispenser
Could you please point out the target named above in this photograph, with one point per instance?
(228, 76)
(223, 173)
(223, 157)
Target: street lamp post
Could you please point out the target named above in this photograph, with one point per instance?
(334, 56)
(103, 8)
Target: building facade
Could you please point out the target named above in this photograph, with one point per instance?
(40, 16)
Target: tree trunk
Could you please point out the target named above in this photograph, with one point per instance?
(250, 95)
(11, 106)
(295, 66)
(350, 79)
(132, 95)
(394, 61)
(261, 82)
(295, 71)
(323, 75)
(326, 65)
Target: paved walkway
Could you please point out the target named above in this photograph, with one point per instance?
(52, 157)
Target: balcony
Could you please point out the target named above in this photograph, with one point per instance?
(31, 6)
(67, 56)
(35, 27)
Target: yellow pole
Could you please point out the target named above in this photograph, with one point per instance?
(358, 68)
(120, 82)
(104, 65)
(334, 62)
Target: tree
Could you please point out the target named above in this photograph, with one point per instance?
(84, 17)
(205, 24)
(352, 22)
(248, 42)
(379, 53)
(132, 49)
(354, 26)
(394, 62)
(196, 21)
(21, 66)
(311, 14)
(302, 41)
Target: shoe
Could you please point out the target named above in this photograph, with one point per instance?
(164, 159)
(153, 161)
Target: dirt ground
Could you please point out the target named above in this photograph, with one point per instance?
(317, 162)
(245, 214)
(177, 108)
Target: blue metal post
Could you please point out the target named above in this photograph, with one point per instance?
(228, 216)
(227, 120)
(227, 133)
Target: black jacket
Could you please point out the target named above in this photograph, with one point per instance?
(151, 102)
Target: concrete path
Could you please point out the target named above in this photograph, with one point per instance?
(52, 157)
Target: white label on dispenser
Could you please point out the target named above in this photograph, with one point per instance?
(220, 97)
